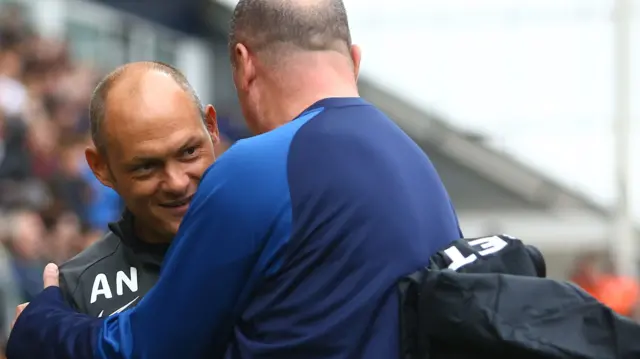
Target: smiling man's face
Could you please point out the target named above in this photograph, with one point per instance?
(157, 148)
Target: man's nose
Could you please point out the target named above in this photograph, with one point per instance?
(176, 181)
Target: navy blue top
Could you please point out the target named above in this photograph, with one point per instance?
(292, 248)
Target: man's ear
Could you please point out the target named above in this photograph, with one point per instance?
(97, 161)
(356, 56)
(211, 121)
(245, 69)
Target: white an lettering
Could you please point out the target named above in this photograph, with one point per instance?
(489, 246)
(131, 282)
(101, 284)
(100, 287)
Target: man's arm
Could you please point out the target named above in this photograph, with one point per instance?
(227, 242)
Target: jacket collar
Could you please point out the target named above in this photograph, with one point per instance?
(145, 252)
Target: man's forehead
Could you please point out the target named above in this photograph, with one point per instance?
(147, 90)
(148, 102)
(153, 109)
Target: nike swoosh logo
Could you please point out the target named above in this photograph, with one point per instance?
(121, 308)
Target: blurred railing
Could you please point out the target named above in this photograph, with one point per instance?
(105, 38)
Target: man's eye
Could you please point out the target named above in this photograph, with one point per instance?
(144, 168)
(190, 151)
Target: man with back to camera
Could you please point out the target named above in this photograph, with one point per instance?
(296, 237)
(152, 144)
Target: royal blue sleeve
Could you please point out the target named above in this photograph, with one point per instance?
(231, 238)
(49, 329)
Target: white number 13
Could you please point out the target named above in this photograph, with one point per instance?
(489, 245)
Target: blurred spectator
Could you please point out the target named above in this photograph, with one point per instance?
(9, 290)
(26, 245)
(597, 277)
(104, 204)
(14, 160)
(13, 94)
(68, 237)
(68, 185)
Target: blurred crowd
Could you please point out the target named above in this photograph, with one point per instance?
(51, 205)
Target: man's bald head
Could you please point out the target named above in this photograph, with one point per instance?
(275, 25)
(129, 78)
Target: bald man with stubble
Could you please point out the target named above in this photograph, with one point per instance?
(152, 141)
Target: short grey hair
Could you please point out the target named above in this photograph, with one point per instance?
(321, 25)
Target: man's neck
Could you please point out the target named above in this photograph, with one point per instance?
(285, 111)
(303, 86)
(146, 235)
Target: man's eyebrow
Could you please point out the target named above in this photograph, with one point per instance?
(190, 142)
(135, 160)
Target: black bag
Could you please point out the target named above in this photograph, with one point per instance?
(488, 298)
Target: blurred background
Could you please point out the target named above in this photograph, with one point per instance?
(524, 106)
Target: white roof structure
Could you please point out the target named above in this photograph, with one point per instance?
(496, 193)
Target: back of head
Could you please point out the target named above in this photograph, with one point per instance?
(287, 55)
(280, 26)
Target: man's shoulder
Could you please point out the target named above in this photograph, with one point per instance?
(72, 270)
(277, 140)
(263, 155)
